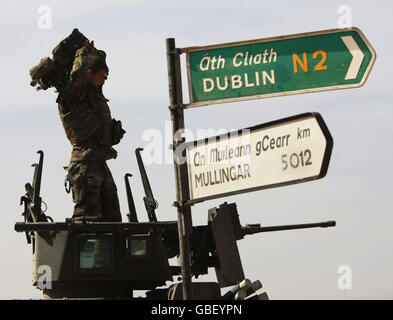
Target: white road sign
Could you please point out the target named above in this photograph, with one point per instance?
(287, 151)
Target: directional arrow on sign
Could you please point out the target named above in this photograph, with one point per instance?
(300, 63)
(357, 59)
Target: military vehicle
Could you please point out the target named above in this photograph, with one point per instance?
(88, 259)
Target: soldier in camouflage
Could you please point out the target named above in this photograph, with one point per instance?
(89, 127)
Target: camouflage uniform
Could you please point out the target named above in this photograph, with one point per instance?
(89, 127)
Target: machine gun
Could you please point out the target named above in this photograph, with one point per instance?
(150, 203)
(215, 245)
(32, 200)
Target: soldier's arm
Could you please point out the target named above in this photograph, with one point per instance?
(76, 86)
(78, 76)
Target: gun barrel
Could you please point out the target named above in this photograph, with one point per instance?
(251, 229)
(35, 189)
(37, 178)
(150, 202)
(131, 206)
(145, 180)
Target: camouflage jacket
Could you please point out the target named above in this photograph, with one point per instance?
(87, 121)
(89, 126)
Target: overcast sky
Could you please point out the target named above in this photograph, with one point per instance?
(356, 191)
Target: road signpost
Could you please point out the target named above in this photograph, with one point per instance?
(288, 151)
(293, 64)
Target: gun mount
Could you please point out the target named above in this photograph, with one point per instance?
(91, 259)
(31, 200)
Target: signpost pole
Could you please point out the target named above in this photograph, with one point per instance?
(181, 171)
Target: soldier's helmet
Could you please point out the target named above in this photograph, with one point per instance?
(55, 72)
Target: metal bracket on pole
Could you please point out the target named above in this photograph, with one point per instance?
(176, 107)
(183, 204)
(175, 51)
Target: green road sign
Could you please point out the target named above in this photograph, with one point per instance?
(293, 64)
